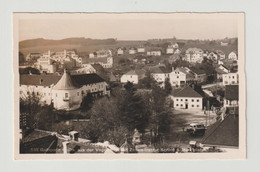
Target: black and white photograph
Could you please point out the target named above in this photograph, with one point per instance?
(129, 85)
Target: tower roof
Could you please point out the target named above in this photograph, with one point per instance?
(65, 83)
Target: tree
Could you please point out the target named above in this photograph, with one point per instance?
(87, 102)
(167, 87)
(21, 58)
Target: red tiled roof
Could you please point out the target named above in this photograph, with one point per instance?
(185, 92)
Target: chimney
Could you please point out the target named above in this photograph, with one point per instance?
(65, 147)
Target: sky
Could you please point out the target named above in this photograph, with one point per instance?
(131, 26)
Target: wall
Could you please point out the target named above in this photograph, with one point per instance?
(130, 78)
(180, 102)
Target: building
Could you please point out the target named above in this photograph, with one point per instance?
(46, 65)
(231, 96)
(194, 55)
(221, 54)
(177, 51)
(85, 69)
(213, 56)
(180, 76)
(233, 56)
(223, 44)
(133, 76)
(132, 51)
(171, 48)
(160, 74)
(105, 62)
(65, 92)
(120, 51)
(32, 56)
(230, 79)
(199, 75)
(223, 134)
(154, 53)
(186, 98)
(101, 54)
(141, 49)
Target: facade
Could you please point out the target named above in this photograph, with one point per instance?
(194, 55)
(180, 76)
(133, 76)
(186, 98)
(231, 96)
(141, 50)
(230, 78)
(154, 53)
(221, 54)
(213, 56)
(46, 65)
(232, 56)
(132, 51)
(65, 92)
(160, 74)
(120, 51)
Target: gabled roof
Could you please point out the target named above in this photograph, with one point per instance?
(39, 80)
(231, 92)
(223, 133)
(65, 83)
(220, 71)
(185, 92)
(86, 79)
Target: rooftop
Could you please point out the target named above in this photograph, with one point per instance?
(185, 92)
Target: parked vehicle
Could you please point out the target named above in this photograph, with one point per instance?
(196, 129)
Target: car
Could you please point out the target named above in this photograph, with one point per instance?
(196, 129)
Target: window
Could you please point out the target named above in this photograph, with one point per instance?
(177, 104)
(177, 99)
(177, 76)
(192, 105)
(197, 105)
(181, 104)
(192, 100)
(66, 95)
(78, 93)
(56, 95)
(198, 100)
(186, 99)
(181, 100)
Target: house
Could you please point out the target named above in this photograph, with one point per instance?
(65, 92)
(32, 56)
(170, 49)
(230, 78)
(233, 56)
(213, 56)
(199, 75)
(180, 76)
(141, 49)
(231, 96)
(132, 51)
(223, 43)
(221, 54)
(154, 53)
(177, 51)
(46, 64)
(120, 51)
(133, 76)
(223, 134)
(186, 98)
(103, 53)
(160, 74)
(105, 62)
(87, 68)
(194, 55)
(173, 58)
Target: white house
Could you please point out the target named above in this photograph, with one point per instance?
(85, 69)
(154, 53)
(186, 98)
(160, 74)
(65, 92)
(180, 76)
(230, 78)
(232, 56)
(132, 51)
(141, 49)
(101, 53)
(46, 64)
(194, 55)
(120, 51)
(177, 51)
(221, 54)
(132, 76)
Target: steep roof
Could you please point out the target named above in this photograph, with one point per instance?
(39, 80)
(231, 92)
(47, 80)
(65, 83)
(223, 133)
(185, 92)
(86, 79)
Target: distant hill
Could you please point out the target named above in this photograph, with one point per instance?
(68, 41)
